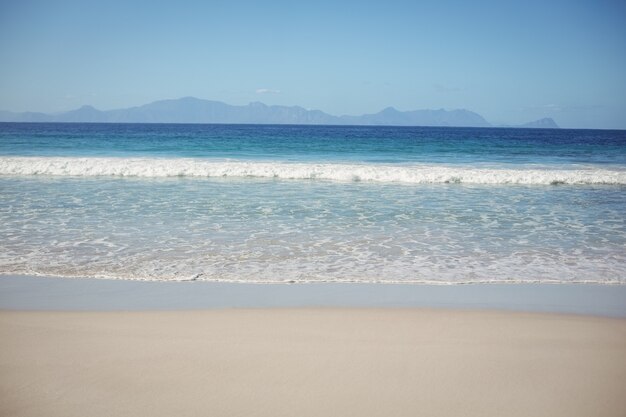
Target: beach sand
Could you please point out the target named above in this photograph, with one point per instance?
(311, 362)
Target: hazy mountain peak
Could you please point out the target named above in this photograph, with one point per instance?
(545, 123)
(189, 99)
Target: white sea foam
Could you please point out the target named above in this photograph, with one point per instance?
(410, 174)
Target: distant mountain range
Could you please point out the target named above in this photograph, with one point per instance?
(194, 110)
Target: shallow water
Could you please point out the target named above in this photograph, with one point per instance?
(133, 202)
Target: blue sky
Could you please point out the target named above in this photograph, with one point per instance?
(511, 62)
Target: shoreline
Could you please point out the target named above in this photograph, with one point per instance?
(72, 346)
(19, 292)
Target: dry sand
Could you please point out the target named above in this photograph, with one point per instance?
(311, 362)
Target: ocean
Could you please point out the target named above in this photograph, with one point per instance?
(276, 204)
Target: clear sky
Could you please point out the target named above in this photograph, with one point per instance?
(511, 62)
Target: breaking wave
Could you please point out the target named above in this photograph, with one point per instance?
(409, 174)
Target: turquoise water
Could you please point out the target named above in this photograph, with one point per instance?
(312, 204)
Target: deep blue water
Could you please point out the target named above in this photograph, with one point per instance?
(317, 143)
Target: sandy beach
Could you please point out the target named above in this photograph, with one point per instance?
(311, 362)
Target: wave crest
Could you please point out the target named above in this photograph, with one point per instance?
(410, 174)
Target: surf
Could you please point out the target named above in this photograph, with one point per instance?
(341, 172)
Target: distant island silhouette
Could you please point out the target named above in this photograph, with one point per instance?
(195, 110)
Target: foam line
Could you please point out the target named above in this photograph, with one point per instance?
(410, 174)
